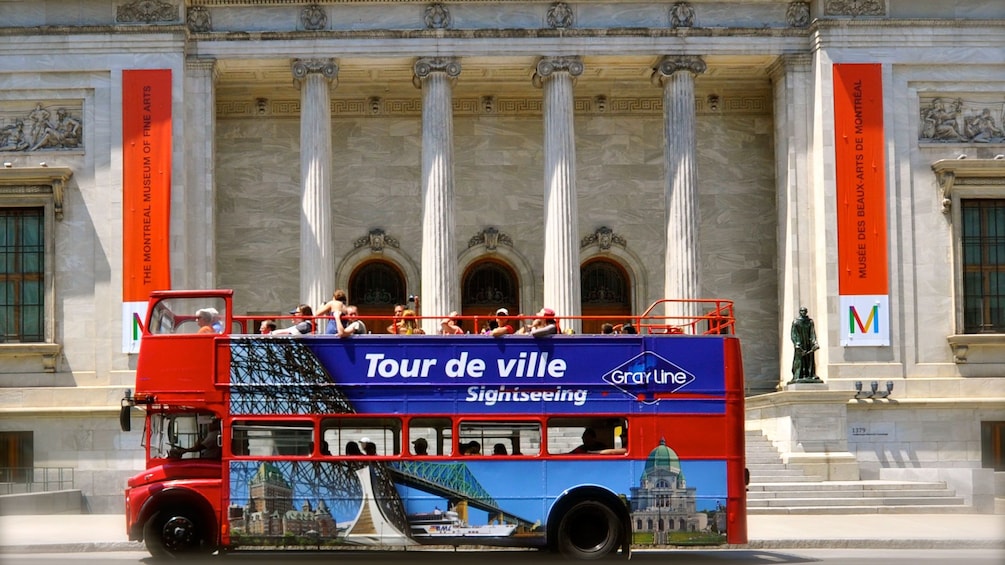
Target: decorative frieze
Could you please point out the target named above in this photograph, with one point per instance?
(43, 128)
(729, 104)
(146, 12)
(855, 8)
(377, 239)
(954, 119)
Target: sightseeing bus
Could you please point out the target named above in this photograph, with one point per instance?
(585, 444)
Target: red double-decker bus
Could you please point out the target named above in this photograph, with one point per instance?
(585, 444)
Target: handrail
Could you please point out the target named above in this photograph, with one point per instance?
(691, 317)
(35, 479)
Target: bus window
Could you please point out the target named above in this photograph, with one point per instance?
(371, 436)
(435, 432)
(495, 437)
(179, 315)
(271, 438)
(587, 435)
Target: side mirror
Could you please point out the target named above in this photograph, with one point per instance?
(125, 422)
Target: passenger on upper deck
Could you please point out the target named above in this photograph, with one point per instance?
(544, 324)
(267, 327)
(204, 317)
(503, 327)
(409, 325)
(395, 327)
(451, 325)
(333, 307)
(348, 324)
(301, 323)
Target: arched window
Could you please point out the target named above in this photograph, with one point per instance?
(606, 294)
(488, 285)
(375, 287)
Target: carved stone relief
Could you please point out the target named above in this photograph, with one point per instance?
(437, 17)
(146, 12)
(198, 19)
(43, 128)
(491, 238)
(559, 16)
(681, 15)
(314, 18)
(603, 238)
(855, 8)
(377, 239)
(798, 14)
(953, 119)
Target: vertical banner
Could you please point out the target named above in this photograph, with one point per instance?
(861, 205)
(146, 194)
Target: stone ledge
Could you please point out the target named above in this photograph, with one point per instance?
(46, 353)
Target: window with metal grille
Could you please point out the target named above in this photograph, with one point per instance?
(377, 284)
(22, 276)
(604, 283)
(490, 284)
(983, 223)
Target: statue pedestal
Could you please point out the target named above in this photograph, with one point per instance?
(809, 426)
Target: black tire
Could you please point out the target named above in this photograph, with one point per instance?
(589, 530)
(173, 533)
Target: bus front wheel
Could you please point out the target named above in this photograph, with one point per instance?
(172, 533)
(589, 530)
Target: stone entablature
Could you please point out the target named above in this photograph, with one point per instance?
(290, 108)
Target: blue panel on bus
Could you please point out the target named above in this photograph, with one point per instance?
(639, 367)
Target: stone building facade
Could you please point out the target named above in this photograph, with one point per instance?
(590, 156)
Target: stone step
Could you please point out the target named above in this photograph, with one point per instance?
(858, 486)
(854, 503)
(843, 494)
(917, 509)
(756, 480)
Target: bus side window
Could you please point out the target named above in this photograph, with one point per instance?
(371, 436)
(271, 438)
(430, 436)
(499, 437)
(584, 435)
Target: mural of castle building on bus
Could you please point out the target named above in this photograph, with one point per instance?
(270, 511)
(664, 507)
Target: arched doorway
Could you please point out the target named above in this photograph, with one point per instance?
(606, 294)
(375, 287)
(486, 286)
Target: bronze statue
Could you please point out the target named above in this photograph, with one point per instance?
(804, 337)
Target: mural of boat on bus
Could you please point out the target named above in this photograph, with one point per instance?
(299, 503)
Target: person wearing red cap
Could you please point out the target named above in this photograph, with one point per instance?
(544, 324)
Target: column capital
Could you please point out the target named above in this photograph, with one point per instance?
(788, 63)
(203, 64)
(425, 66)
(548, 66)
(328, 68)
(671, 64)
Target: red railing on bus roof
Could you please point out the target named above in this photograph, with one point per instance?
(678, 317)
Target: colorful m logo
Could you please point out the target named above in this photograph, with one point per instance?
(854, 320)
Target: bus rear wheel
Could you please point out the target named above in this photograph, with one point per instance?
(172, 533)
(589, 530)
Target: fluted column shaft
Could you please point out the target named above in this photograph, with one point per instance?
(681, 263)
(440, 287)
(199, 192)
(561, 222)
(317, 264)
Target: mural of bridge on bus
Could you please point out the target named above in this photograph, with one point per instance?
(318, 503)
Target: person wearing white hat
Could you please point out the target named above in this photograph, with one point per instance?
(369, 447)
(504, 327)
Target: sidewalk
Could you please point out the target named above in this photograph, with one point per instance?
(106, 532)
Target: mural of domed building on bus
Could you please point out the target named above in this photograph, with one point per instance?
(665, 510)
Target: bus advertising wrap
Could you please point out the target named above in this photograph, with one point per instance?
(146, 193)
(861, 205)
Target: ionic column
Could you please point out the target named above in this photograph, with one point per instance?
(315, 77)
(198, 195)
(440, 287)
(556, 75)
(681, 279)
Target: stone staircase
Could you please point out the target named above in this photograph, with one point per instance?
(776, 488)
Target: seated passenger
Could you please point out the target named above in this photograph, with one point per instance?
(471, 448)
(301, 322)
(544, 324)
(420, 446)
(352, 448)
(348, 323)
(204, 317)
(590, 442)
(499, 449)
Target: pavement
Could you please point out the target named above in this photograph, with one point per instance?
(64, 533)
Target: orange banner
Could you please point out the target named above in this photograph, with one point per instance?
(860, 174)
(146, 182)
